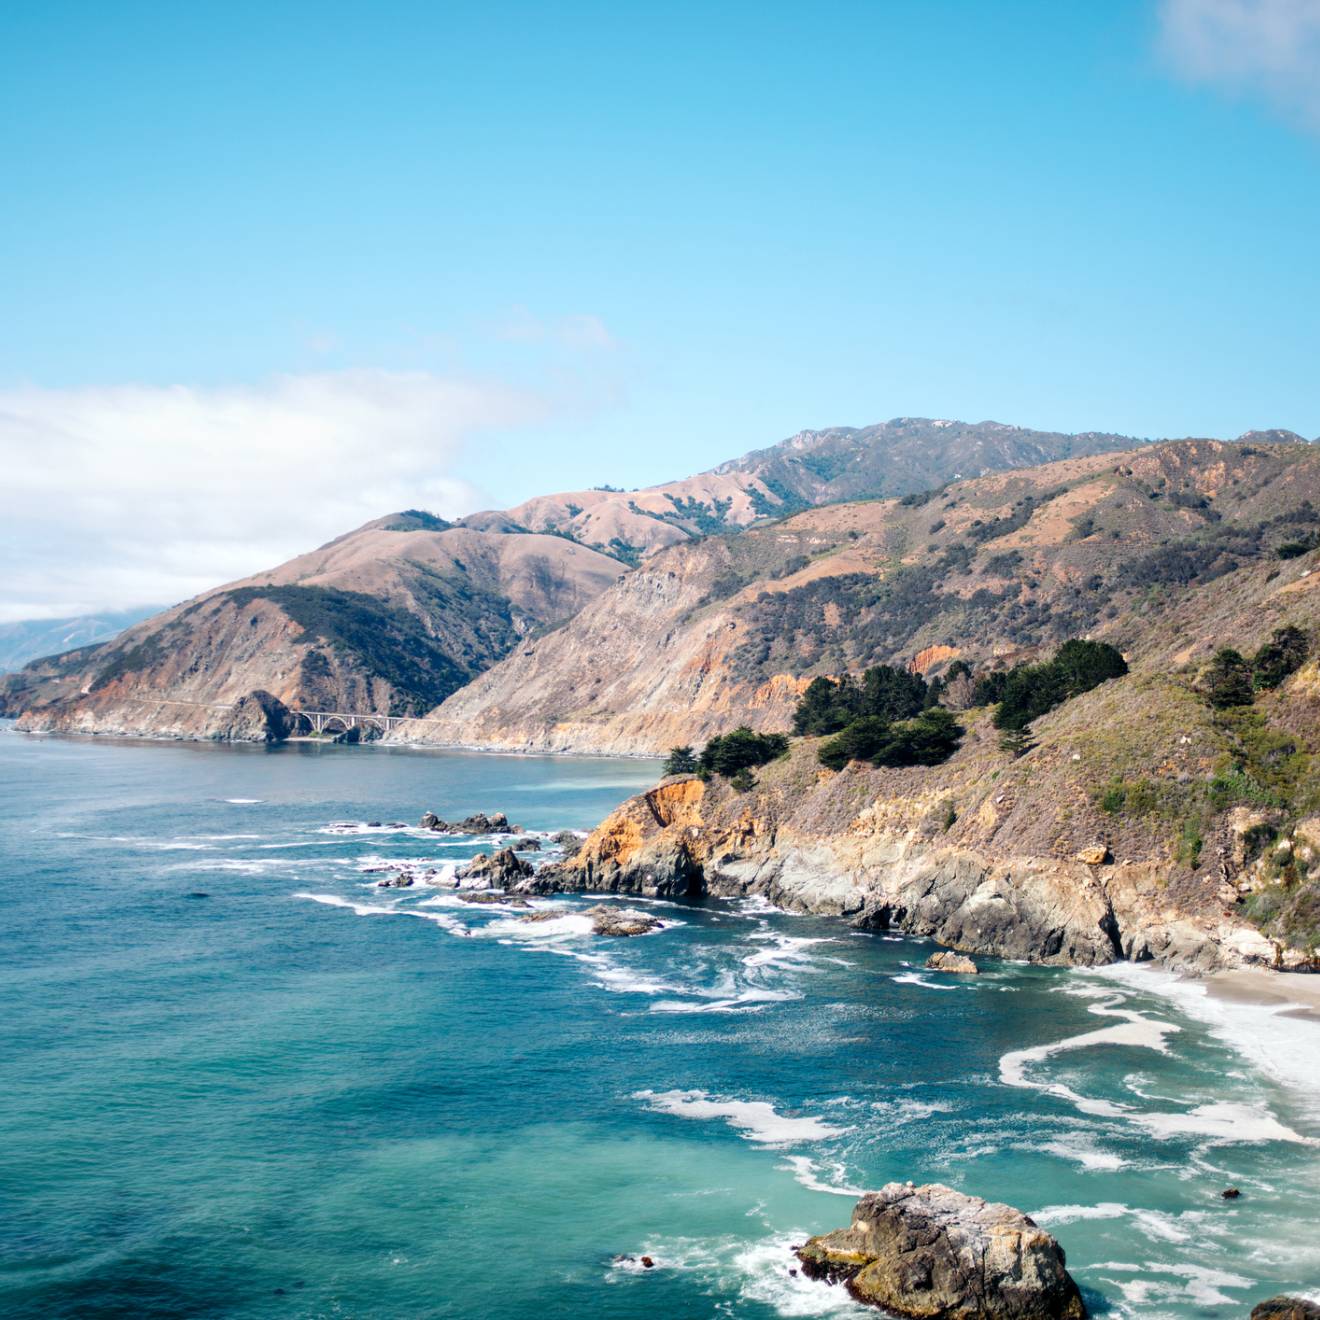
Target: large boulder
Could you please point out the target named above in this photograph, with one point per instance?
(497, 871)
(258, 717)
(936, 1254)
(1286, 1308)
(948, 961)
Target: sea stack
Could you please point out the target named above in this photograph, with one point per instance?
(932, 1253)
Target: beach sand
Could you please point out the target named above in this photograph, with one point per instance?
(1295, 994)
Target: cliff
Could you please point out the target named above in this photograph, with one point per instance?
(1033, 857)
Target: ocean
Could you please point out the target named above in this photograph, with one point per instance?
(239, 1079)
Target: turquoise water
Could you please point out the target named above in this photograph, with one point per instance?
(238, 1080)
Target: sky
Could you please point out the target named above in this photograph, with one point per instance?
(268, 270)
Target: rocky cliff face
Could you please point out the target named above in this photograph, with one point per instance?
(991, 854)
(1168, 551)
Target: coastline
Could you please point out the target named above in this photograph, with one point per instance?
(1272, 1019)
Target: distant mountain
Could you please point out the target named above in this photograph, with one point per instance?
(31, 638)
(402, 613)
(897, 457)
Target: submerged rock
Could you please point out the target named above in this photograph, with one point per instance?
(608, 920)
(404, 880)
(487, 896)
(497, 870)
(938, 1254)
(1230, 1193)
(525, 845)
(1286, 1308)
(545, 914)
(948, 961)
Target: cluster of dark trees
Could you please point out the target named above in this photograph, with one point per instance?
(893, 717)
(928, 739)
(1027, 692)
(1233, 680)
(734, 755)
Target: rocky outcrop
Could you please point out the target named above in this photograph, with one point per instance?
(1285, 1308)
(957, 963)
(499, 871)
(258, 717)
(621, 922)
(877, 848)
(935, 1253)
(477, 823)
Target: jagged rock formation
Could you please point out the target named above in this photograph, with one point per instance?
(499, 870)
(1168, 552)
(621, 922)
(937, 1254)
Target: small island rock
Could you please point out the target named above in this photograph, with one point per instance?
(497, 871)
(933, 1252)
(948, 961)
(486, 896)
(608, 920)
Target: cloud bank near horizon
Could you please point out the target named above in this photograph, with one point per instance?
(133, 495)
(1268, 49)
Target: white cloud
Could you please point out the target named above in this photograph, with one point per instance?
(1267, 48)
(131, 495)
(582, 332)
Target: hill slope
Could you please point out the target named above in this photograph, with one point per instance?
(1167, 551)
(395, 616)
(388, 619)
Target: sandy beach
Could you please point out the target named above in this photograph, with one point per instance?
(1295, 994)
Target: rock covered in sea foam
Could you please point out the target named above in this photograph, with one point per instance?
(934, 1253)
(608, 920)
(1285, 1308)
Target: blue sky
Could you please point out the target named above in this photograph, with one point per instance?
(632, 240)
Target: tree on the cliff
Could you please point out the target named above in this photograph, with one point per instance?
(1228, 680)
(680, 761)
(929, 739)
(1030, 691)
(885, 692)
(743, 749)
(1285, 653)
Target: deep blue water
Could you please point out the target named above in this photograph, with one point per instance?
(238, 1080)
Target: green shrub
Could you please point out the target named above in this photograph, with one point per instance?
(1285, 653)
(680, 761)
(886, 692)
(929, 739)
(1228, 680)
(742, 749)
(1029, 691)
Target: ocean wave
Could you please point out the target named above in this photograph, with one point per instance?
(913, 978)
(807, 1171)
(754, 1120)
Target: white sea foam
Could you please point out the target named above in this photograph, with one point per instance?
(808, 1172)
(360, 909)
(1159, 1283)
(244, 802)
(911, 978)
(1285, 1047)
(1083, 1151)
(773, 1277)
(786, 952)
(1219, 1123)
(755, 1120)
(745, 1001)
